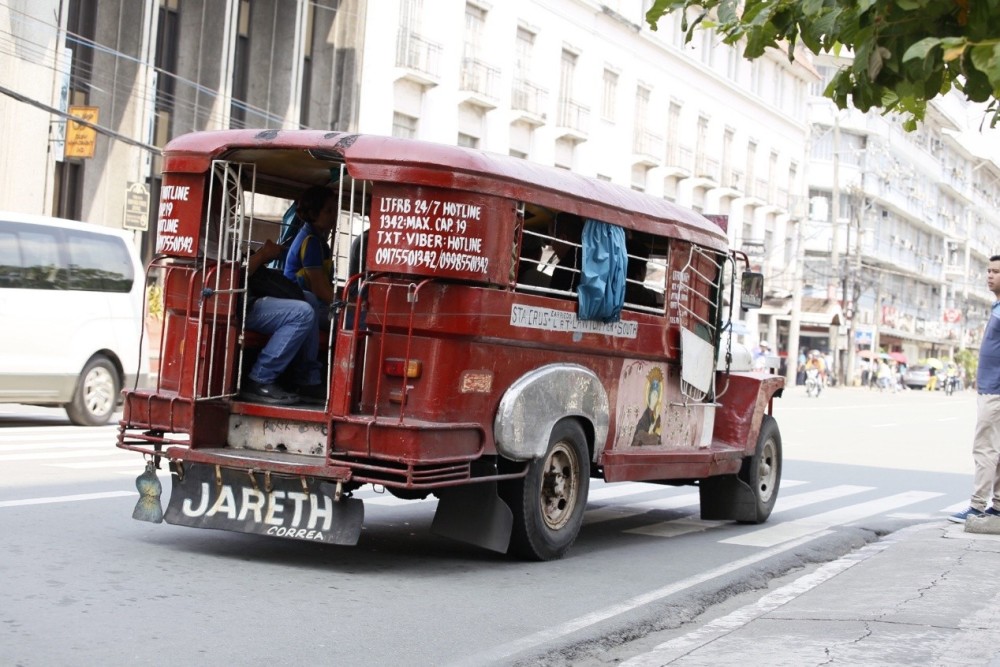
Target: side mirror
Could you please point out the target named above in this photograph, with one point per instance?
(751, 290)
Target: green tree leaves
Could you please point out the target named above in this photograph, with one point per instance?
(906, 52)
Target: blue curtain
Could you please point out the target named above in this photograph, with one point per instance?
(601, 292)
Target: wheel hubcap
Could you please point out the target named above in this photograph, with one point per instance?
(98, 392)
(766, 472)
(560, 486)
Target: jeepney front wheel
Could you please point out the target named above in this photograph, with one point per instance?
(549, 502)
(762, 471)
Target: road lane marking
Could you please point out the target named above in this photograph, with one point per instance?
(66, 499)
(49, 456)
(94, 465)
(22, 446)
(799, 528)
(501, 654)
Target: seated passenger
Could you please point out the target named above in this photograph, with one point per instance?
(293, 343)
(309, 260)
(530, 268)
(566, 231)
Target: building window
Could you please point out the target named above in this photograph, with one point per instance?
(610, 93)
(404, 126)
(673, 134)
(467, 140)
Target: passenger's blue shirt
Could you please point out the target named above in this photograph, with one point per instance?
(988, 373)
(308, 251)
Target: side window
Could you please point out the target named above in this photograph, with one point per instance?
(551, 250)
(10, 259)
(40, 257)
(646, 278)
(98, 263)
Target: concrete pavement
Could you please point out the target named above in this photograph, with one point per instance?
(925, 595)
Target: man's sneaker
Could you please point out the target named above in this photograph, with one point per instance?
(960, 517)
(269, 392)
(313, 393)
(992, 512)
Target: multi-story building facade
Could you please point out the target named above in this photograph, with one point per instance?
(580, 84)
(906, 246)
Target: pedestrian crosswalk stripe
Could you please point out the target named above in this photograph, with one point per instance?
(692, 524)
(670, 503)
(789, 530)
(785, 503)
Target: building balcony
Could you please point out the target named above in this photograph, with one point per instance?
(478, 83)
(647, 148)
(680, 160)
(733, 179)
(527, 102)
(572, 121)
(418, 60)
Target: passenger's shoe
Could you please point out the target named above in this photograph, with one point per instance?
(313, 393)
(992, 512)
(960, 517)
(270, 393)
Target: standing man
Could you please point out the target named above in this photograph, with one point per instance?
(986, 443)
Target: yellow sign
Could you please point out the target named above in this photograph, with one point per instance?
(81, 139)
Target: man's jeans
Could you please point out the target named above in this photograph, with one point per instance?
(294, 340)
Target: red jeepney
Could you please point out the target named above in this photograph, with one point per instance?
(459, 362)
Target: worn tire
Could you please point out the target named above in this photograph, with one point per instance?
(549, 502)
(96, 393)
(762, 471)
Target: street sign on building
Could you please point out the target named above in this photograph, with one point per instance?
(81, 139)
(136, 207)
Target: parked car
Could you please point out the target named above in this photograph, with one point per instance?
(71, 303)
(917, 377)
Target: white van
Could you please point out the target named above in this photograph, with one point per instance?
(71, 316)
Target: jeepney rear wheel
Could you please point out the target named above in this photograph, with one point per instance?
(762, 471)
(549, 502)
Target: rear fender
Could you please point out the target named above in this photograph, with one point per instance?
(743, 404)
(533, 404)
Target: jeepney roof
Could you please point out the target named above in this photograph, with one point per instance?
(308, 156)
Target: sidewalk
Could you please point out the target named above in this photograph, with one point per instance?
(925, 595)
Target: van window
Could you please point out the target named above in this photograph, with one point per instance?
(34, 257)
(98, 263)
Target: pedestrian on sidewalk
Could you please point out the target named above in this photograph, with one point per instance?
(986, 442)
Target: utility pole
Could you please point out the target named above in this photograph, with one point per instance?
(795, 324)
(854, 277)
(831, 292)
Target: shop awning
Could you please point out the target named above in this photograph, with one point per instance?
(814, 312)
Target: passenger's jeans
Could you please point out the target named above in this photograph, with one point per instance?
(322, 310)
(294, 340)
(986, 452)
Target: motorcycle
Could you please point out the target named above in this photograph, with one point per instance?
(950, 384)
(814, 385)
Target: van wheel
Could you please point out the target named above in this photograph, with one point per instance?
(548, 503)
(762, 471)
(96, 394)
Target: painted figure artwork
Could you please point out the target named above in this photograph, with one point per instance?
(648, 428)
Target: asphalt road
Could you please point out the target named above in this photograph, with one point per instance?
(84, 583)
